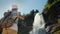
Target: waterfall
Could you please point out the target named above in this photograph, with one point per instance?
(38, 25)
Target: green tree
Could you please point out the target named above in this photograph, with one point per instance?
(29, 18)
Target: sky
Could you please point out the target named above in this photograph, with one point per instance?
(25, 6)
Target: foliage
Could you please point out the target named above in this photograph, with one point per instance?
(26, 25)
(51, 3)
(54, 10)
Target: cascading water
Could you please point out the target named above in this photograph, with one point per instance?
(38, 25)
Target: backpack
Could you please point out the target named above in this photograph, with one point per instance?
(6, 21)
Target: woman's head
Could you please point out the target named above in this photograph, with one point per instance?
(14, 7)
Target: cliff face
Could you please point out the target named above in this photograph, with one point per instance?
(54, 14)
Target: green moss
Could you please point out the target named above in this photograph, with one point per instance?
(59, 31)
(48, 5)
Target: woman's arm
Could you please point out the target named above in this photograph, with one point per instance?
(21, 16)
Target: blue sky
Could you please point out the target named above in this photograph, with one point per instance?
(25, 6)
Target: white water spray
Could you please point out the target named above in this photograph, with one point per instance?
(38, 25)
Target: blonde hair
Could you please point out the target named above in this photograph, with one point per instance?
(14, 7)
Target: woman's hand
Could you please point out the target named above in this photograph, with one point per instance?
(21, 17)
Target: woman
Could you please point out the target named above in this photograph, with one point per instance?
(14, 15)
